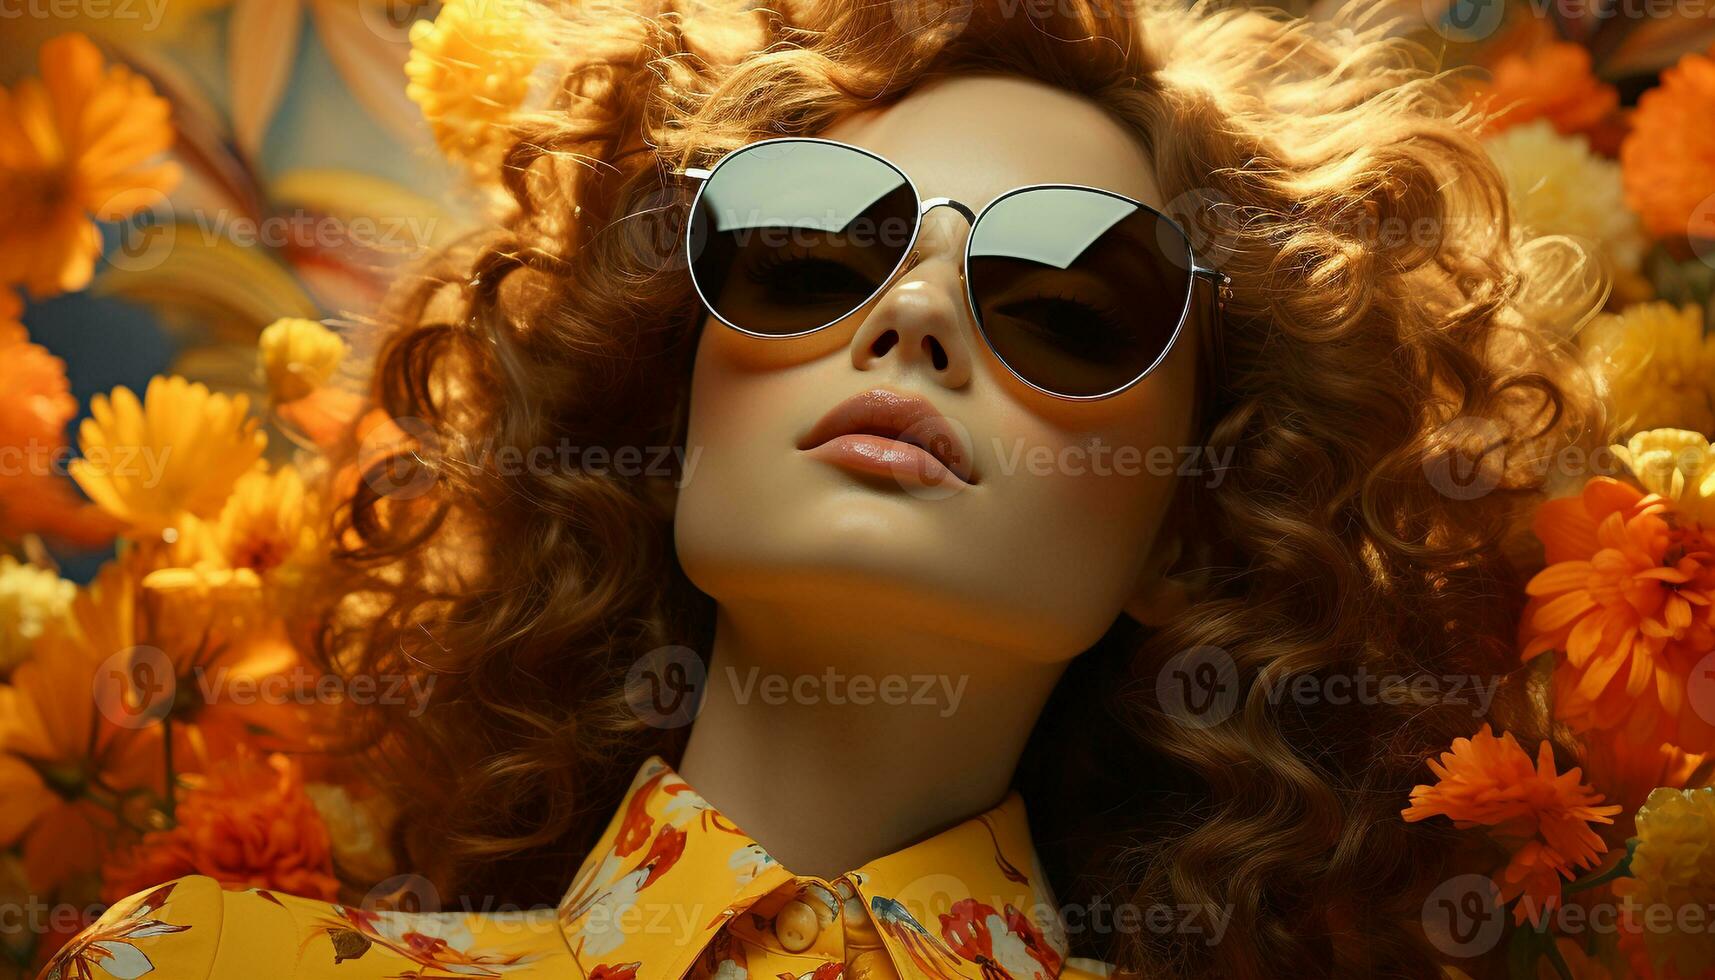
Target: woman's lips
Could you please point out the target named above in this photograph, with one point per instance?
(885, 433)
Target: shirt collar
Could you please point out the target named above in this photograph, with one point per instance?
(670, 871)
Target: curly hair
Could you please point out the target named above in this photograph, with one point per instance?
(1375, 332)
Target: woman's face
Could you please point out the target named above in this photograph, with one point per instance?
(1051, 536)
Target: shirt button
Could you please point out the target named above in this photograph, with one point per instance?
(795, 926)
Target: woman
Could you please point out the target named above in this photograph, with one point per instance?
(1085, 522)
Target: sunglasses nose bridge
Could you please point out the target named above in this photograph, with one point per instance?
(947, 202)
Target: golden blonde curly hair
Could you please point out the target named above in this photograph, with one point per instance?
(1375, 312)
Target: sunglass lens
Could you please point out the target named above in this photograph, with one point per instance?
(1079, 292)
(792, 235)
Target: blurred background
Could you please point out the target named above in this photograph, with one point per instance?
(303, 177)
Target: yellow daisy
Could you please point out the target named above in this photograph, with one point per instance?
(1677, 464)
(299, 356)
(31, 598)
(176, 452)
(1658, 366)
(469, 71)
(273, 526)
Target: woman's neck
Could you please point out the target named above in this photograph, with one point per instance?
(834, 743)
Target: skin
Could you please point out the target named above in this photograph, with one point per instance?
(989, 590)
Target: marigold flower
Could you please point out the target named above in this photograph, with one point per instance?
(298, 356)
(1679, 466)
(1658, 366)
(1557, 186)
(176, 452)
(1551, 81)
(469, 71)
(74, 143)
(1541, 816)
(270, 521)
(1669, 156)
(1673, 867)
(34, 497)
(247, 823)
(1626, 605)
(31, 599)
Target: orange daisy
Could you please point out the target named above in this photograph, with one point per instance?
(1541, 816)
(1627, 604)
(1551, 81)
(1669, 157)
(74, 143)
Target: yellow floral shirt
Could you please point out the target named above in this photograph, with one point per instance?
(673, 890)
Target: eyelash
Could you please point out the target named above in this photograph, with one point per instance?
(774, 260)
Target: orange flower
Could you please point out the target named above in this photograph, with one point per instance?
(1629, 771)
(1542, 817)
(74, 143)
(248, 824)
(1669, 157)
(65, 768)
(1552, 81)
(1627, 604)
(34, 497)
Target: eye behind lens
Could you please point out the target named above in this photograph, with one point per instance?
(794, 235)
(1079, 291)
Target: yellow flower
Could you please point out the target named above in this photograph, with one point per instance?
(74, 143)
(178, 451)
(1658, 366)
(271, 528)
(299, 356)
(1557, 186)
(30, 599)
(1679, 465)
(469, 71)
(1674, 867)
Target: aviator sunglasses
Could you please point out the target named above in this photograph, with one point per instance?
(1078, 291)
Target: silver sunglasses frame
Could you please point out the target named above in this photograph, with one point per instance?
(1219, 279)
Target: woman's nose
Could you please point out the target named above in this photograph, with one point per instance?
(919, 324)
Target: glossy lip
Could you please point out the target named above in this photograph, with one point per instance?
(891, 434)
